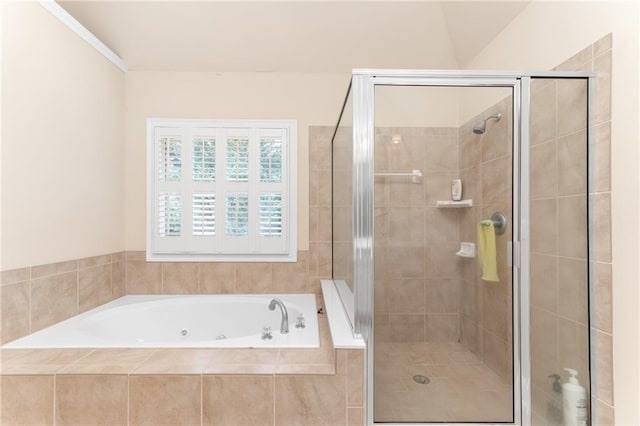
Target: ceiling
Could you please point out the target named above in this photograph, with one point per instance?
(294, 36)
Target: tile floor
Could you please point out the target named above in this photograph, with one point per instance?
(462, 388)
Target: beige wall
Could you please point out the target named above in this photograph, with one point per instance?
(312, 99)
(541, 37)
(62, 143)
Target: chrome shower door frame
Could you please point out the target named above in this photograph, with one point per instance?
(363, 85)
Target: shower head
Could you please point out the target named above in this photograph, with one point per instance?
(481, 126)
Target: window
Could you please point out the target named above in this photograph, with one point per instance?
(221, 190)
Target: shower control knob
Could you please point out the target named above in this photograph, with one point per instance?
(300, 321)
(266, 333)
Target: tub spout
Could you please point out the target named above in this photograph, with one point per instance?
(284, 324)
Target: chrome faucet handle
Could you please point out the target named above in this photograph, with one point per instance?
(300, 321)
(266, 333)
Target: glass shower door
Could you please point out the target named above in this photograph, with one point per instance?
(443, 298)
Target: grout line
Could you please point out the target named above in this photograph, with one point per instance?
(55, 380)
(201, 399)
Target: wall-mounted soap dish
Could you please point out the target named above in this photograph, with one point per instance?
(467, 250)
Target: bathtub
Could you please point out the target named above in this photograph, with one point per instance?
(193, 321)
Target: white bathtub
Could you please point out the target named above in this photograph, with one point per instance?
(194, 321)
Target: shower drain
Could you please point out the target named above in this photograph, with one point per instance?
(423, 380)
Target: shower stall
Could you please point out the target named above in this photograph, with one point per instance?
(461, 212)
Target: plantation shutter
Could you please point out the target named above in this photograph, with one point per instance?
(220, 192)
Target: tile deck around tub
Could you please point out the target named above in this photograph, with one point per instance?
(320, 360)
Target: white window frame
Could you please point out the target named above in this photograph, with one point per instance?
(257, 249)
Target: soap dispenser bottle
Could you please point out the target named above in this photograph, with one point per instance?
(574, 401)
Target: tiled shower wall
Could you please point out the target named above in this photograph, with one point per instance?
(485, 170)
(559, 294)
(417, 275)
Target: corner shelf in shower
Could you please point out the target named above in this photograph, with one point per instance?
(448, 204)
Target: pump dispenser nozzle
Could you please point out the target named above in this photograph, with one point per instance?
(573, 376)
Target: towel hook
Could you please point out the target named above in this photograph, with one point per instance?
(499, 222)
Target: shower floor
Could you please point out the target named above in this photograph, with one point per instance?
(462, 388)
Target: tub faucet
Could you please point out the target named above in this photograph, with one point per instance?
(284, 324)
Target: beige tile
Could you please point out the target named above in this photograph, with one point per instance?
(238, 400)
(544, 176)
(496, 180)
(313, 222)
(324, 259)
(572, 106)
(441, 150)
(573, 294)
(342, 194)
(602, 100)
(53, 269)
(97, 369)
(53, 299)
(89, 262)
(342, 224)
(214, 278)
(89, 399)
(179, 278)
(143, 277)
(469, 146)
(313, 186)
(14, 276)
(261, 369)
(138, 256)
(442, 295)
(355, 416)
(577, 61)
(602, 45)
(405, 193)
(544, 336)
(496, 311)
(409, 153)
(470, 335)
(117, 280)
(442, 327)
(405, 296)
(166, 400)
(405, 262)
(15, 311)
(573, 348)
(544, 236)
(441, 261)
(304, 400)
(604, 367)
(323, 185)
(441, 225)
(31, 370)
(497, 355)
(601, 249)
(497, 141)
(437, 186)
(324, 223)
(601, 180)
(355, 377)
(117, 257)
(406, 327)
(471, 185)
(471, 297)
(604, 414)
(572, 227)
(27, 400)
(603, 297)
(94, 286)
(543, 112)
(290, 277)
(544, 282)
(253, 278)
(572, 164)
(342, 260)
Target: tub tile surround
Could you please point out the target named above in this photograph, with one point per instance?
(37, 297)
(184, 386)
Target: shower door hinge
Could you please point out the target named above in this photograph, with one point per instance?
(513, 253)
